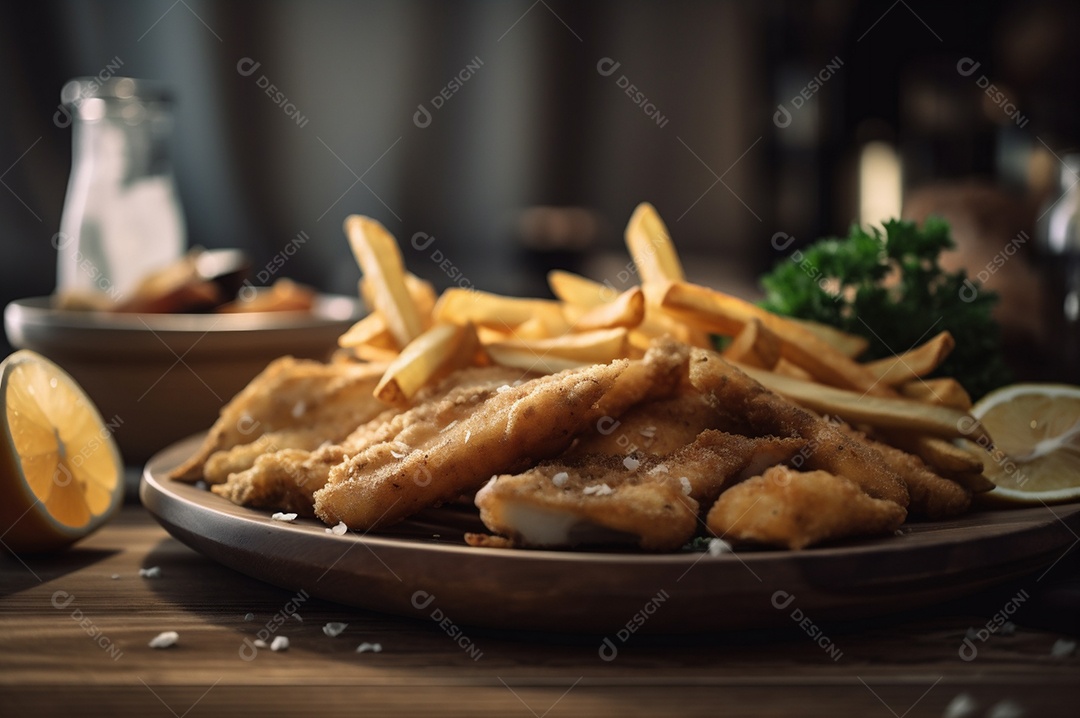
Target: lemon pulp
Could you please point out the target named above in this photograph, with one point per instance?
(61, 471)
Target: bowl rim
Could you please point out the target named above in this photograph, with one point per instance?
(329, 310)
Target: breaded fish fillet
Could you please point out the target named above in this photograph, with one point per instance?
(932, 496)
(291, 394)
(655, 427)
(747, 403)
(648, 500)
(594, 501)
(783, 507)
(445, 449)
(284, 478)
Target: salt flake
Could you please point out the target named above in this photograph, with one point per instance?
(365, 647)
(165, 639)
(685, 484)
(152, 572)
(282, 516)
(560, 479)
(631, 463)
(598, 490)
(334, 628)
(718, 547)
(280, 643)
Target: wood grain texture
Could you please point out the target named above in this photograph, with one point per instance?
(73, 641)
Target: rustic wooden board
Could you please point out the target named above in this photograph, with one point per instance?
(423, 566)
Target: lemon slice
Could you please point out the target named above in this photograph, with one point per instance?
(61, 476)
(1036, 431)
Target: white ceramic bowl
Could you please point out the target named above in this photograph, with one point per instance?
(157, 378)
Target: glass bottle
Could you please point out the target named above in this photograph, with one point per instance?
(1058, 243)
(122, 216)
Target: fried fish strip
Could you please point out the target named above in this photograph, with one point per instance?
(744, 401)
(289, 394)
(283, 480)
(242, 457)
(594, 501)
(797, 509)
(651, 501)
(504, 431)
(932, 497)
(287, 478)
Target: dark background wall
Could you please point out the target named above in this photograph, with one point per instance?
(535, 125)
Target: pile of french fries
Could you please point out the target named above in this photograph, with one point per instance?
(423, 338)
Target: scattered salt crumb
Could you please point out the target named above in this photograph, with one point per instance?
(631, 463)
(560, 479)
(164, 639)
(282, 516)
(365, 647)
(152, 572)
(468, 434)
(280, 643)
(298, 410)
(1063, 647)
(259, 643)
(448, 427)
(685, 484)
(503, 389)
(962, 706)
(338, 530)
(598, 490)
(436, 535)
(398, 454)
(202, 485)
(1005, 709)
(115, 576)
(648, 432)
(1008, 628)
(334, 628)
(658, 469)
(718, 547)
(249, 617)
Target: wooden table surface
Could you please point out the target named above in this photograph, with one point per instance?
(74, 630)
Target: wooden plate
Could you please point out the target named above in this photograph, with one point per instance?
(423, 569)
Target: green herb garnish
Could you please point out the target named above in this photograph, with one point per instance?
(892, 291)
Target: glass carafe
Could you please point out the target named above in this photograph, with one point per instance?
(122, 216)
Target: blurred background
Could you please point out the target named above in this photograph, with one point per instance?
(499, 139)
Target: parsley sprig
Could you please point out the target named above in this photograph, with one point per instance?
(891, 290)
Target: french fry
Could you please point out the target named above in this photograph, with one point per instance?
(878, 412)
(754, 345)
(457, 306)
(379, 258)
(373, 353)
(434, 353)
(938, 453)
(786, 368)
(627, 310)
(527, 360)
(651, 247)
(944, 391)
(914, 363)
(580, 291)
(850, 344)
(975, 483)
(595, 347)
(715, 311)
(364, 331)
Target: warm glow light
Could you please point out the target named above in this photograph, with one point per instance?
(880, 183)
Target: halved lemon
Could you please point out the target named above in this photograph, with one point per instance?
(1036, 432)
(61, 476)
